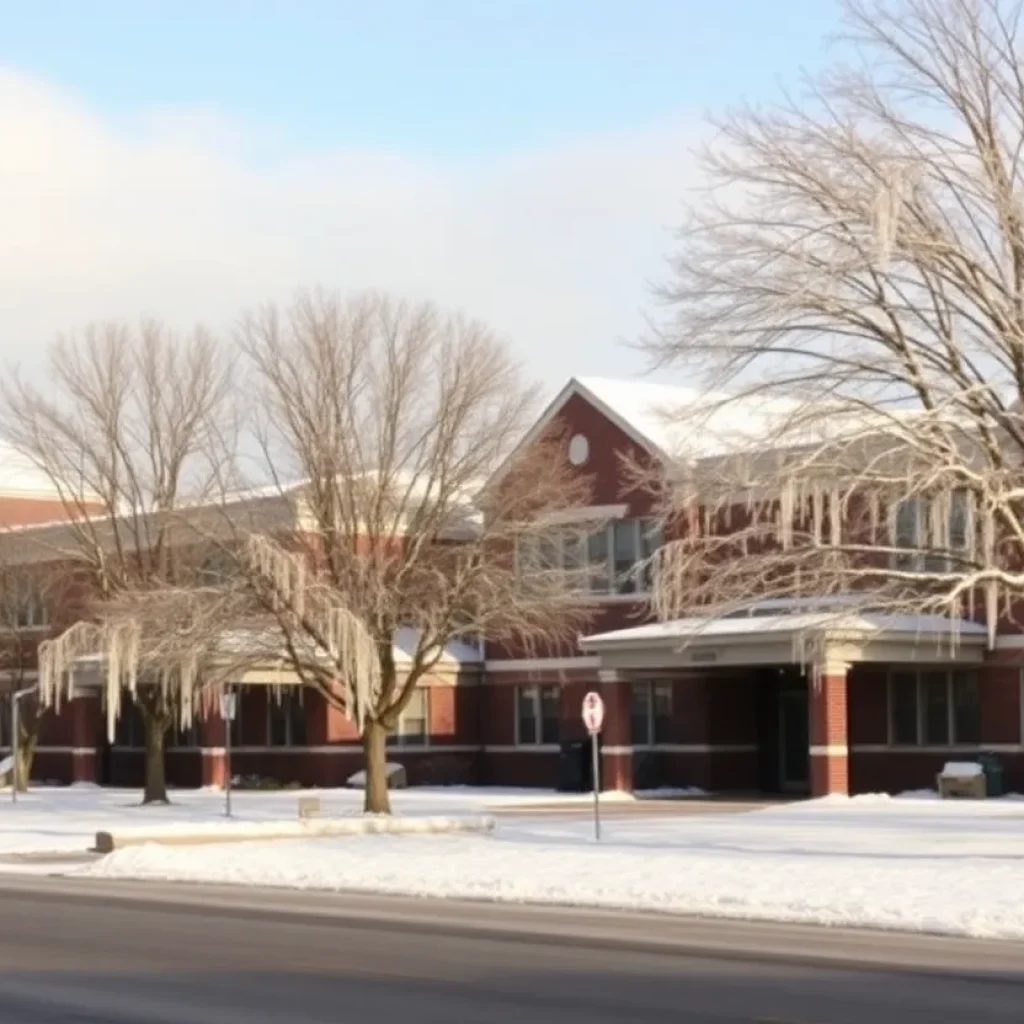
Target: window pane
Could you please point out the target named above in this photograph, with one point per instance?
(627, 554)
(551, 713)
(597, 556)
(574, 557)
(277, 721)
(5, 720)
(526, 555)
(640, 713)
(129, 731)
(966, 708)
(526, 714)
(906, 531)
(651, 539)
(958, 521)
(297, 720)
(549, 551)
(935, 695)
(903, 704)
(412, 723)
(663, 713)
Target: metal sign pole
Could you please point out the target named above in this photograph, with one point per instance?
(597, 786)
(15, 752)
(228, 719)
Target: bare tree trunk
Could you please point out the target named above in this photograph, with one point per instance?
(156, 724)
(376, 798)
(28, 736)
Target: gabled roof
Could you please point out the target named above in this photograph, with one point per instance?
(667, 420)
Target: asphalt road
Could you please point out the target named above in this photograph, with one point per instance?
(79, 953)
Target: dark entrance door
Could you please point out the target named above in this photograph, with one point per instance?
(794, 740)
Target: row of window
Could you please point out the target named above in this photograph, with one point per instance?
(613, 559)
(925, 708)
(935, 708)
(539, 714)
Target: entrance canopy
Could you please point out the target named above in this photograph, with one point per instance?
(789, 631)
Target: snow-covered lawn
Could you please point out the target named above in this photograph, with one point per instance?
(56, 820)
(913, 863)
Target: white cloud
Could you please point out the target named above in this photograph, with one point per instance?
(190, 216)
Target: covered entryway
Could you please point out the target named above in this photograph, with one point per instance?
(770, 687)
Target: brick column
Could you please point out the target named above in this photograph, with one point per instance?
(212, 749)
(86, 722)
(830, 754)
(616, 741)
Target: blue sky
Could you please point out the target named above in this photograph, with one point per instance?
(426, 98)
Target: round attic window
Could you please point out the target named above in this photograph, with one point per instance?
(579, 449)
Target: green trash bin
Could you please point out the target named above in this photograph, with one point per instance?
(995, 784)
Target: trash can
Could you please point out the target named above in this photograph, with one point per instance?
(995, 782)
(572, 767)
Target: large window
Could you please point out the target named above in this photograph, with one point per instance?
(31, 611)
(915, 534)
(651, 713)
(537, 715)
(286, 720)
(936, 708)
(413, 727)
(615, 556)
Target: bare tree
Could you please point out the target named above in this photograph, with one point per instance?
(396, 416)
(854, 283)
(26, 596)
(135, 426)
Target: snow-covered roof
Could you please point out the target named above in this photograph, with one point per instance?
(676, 420)
(685, 630)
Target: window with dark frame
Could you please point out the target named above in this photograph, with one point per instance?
(538, 715)
(286, 720)
(650, 713)
(934, 708)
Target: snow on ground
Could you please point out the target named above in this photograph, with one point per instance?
(915, 864)
(57, 820)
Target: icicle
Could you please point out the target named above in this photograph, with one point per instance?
(835, 516)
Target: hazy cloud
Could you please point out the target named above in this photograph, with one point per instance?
(186, 215)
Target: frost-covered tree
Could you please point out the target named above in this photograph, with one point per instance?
(132, 427)
(851, 290)
(395, 417)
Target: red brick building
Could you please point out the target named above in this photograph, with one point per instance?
(725, 706)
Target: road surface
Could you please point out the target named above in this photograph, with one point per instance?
(86, 952)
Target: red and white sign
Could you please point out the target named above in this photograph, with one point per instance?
(593, 712)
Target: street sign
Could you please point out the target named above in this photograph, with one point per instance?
(593, 719)
(228, 706)
(593, 712)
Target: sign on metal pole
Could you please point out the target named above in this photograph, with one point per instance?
(228, 710)
(593, 719)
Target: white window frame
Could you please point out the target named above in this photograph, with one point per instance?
(538, 714)
(918, 560)
(31, 600)
(609, 586)
(920, 741)
(403, 739)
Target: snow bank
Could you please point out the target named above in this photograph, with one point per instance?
(915, 865)
(188, 834)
